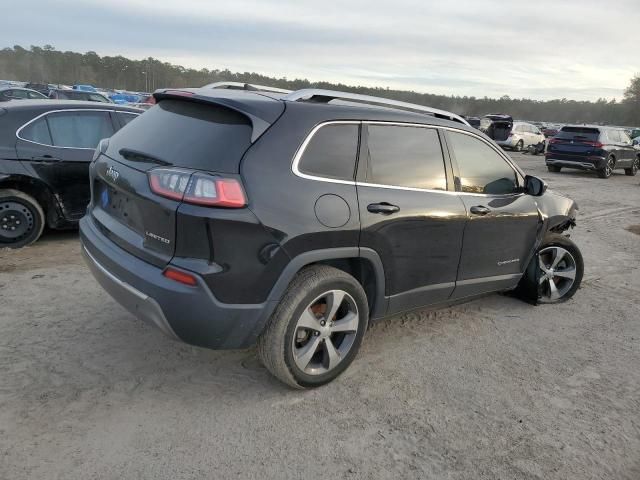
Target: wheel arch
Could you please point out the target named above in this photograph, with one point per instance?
(38, 190)
(363, 264)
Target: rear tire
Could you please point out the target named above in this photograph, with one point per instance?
(607, 171)
(21, 219)
(305, 344)
(519, 146)
(631, 172)
(553, 168)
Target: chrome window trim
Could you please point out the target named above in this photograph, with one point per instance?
(300, 152)
(35, 119)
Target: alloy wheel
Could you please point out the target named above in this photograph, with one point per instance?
(634, 167)
(325, 332)
(557, 273)
(608, 169)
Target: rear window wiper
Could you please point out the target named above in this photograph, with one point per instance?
(135, 156)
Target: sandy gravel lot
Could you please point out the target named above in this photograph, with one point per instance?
(494, 389)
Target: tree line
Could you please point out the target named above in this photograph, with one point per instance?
(48, 65)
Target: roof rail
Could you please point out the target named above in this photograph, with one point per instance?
(324, 96)
(246, 86)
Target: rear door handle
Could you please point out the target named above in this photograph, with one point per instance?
(480, 210)
(384, 208)
(46, 160)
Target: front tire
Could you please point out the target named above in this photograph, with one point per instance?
(554, 273)
(554, 169)
(316, 330)
(631, 172)
(21, 219)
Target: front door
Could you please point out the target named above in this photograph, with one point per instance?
(58, 148)
(407, 215)
(503, 222)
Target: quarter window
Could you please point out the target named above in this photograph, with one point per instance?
(482, 169)
(37, 131)
(405, 157)
(613, 136)
(332, 152)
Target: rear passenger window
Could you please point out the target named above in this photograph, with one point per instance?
(331, 152)
(79, 129)
(405, 157)
(482, 169)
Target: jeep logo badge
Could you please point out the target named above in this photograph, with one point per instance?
(113, 174)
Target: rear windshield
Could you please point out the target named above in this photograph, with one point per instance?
(578, 133)
(186, 134)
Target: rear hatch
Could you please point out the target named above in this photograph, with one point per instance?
(178, 133)
(497, 127)
(574, 143)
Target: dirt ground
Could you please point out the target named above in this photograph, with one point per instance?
(494, 389)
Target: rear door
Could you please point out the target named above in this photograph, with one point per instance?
(627, 152)
(503, 222)
(59, 147)
(409, 213)
(174, 133)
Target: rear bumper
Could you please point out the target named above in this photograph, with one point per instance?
(582, 163)
(188, 313)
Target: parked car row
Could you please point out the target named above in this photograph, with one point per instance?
(89, 93)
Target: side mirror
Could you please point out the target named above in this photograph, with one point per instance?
(534, 186)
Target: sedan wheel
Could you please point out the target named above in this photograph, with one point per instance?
(21, 219)
(557, 273)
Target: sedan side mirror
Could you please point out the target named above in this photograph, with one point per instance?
(534, 186)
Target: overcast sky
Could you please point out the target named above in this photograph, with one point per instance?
(578, 49)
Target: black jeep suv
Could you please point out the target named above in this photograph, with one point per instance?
(232, 217)
(46, 147)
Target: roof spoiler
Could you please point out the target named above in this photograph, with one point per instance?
(246, 86)
(260, 125)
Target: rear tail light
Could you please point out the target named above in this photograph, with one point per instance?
(197, 188)
(180, 276)
(591, 143)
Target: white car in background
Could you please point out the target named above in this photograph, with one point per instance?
(522, 136)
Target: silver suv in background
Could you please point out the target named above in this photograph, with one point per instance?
(522, 136)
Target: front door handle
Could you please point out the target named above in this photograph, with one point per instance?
(480, 210)
(384, 208)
